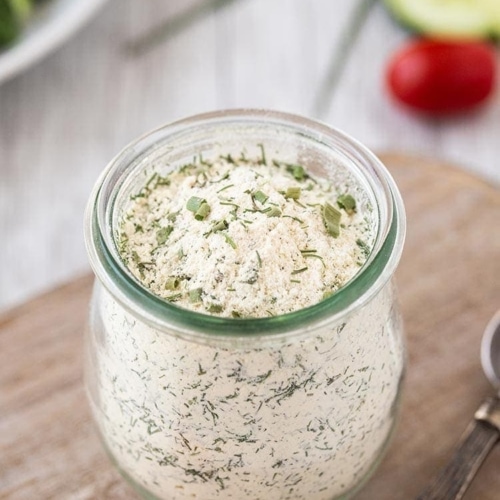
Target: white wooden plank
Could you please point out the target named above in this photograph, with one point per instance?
(273, 53)
(63, 120)
(362, 107)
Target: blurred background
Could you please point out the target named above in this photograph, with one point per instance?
(136, 65)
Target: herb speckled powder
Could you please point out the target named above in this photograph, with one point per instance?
(242, 238)
(300, 420)
(276, 391)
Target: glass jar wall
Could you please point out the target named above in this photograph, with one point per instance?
(297, 406)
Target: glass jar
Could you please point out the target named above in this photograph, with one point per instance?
(296, 406)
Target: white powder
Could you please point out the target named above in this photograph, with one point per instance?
(238, 260)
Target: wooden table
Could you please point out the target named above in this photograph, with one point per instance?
(449, 288)
(65, 118)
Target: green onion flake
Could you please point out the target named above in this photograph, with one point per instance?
(194, 203)
(195, 295)
(202, 212)
(297, 171)
(347, 202)
(331, 218)
(293, 193)
(274, 212)
(172, 283)
(260, 197)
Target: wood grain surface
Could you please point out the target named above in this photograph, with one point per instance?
(449, 282)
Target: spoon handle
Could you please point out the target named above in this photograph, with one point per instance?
(476, 442)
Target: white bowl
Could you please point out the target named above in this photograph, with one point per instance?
(51, 25)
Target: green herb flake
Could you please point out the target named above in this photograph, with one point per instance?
(220, 179)
(298, 271)
(260, 197)
(172, 283)
(298, 172)
(174, 298)
(300, 221)
(313, 255)
(347, 202)
(364, 247)
(331, 219)
(229, 240)
(194, 203)
(220, 225)
(273, 212)
(263, 160)
(293, 193)
(202, 212)
(162, 181)
(163, 234)
(215, 308)
(229, 204)
(195, 295)
(229, 159)
(135, 257)
(225, 187)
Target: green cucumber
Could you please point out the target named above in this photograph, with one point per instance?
(13, 15)
(464, 19)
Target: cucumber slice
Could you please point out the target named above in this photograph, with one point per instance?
(449, 18)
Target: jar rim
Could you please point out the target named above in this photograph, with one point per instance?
(163, 315)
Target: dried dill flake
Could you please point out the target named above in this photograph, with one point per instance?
(249, 232)
(364, 247)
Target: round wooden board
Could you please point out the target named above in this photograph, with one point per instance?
(449, 283)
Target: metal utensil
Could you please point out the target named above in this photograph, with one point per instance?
(481, 434)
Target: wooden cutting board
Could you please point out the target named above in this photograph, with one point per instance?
(449, 283)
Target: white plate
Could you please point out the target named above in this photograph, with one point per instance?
(52, 24)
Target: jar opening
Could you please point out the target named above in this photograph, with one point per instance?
(316, 145)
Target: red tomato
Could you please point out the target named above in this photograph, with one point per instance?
(442, 77)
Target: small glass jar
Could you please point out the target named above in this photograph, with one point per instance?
(296, 406)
